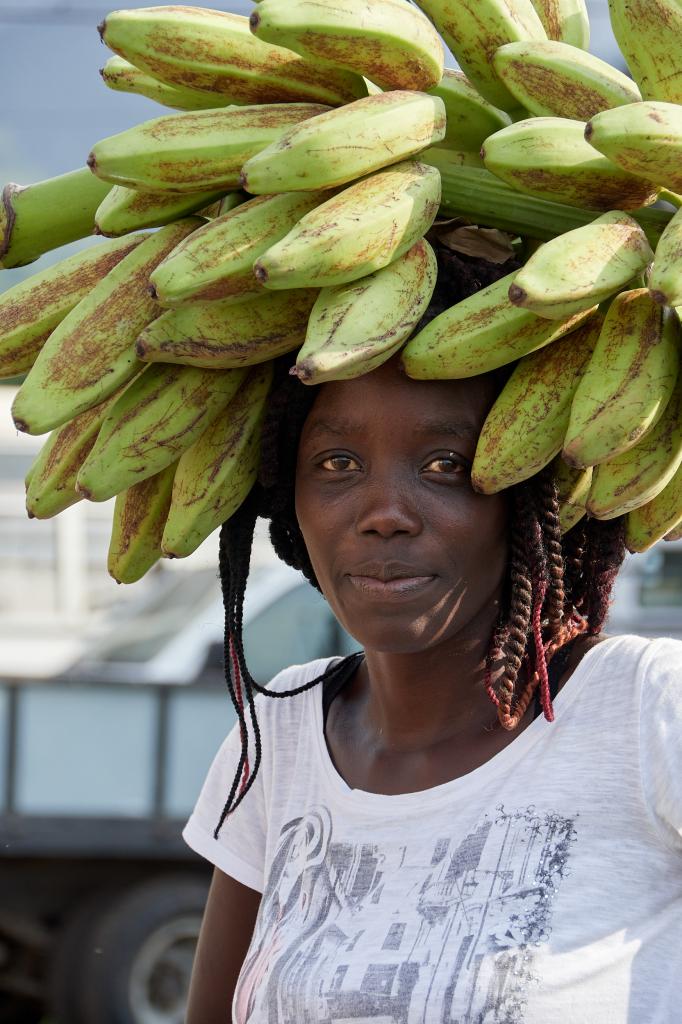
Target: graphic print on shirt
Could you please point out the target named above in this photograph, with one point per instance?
(404, 933)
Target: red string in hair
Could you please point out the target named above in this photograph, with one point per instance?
(240, 702)
(540, 586)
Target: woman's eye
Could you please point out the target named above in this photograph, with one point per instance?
(338, 463)
(449, 465)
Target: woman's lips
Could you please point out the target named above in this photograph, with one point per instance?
(397, 587)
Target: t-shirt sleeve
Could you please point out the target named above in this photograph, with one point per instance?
(239, 849)
(661, 739)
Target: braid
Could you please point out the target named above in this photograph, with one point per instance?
(551, 528)
(604, 555)
(573, 544)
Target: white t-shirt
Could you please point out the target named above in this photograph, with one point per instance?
(544, 887)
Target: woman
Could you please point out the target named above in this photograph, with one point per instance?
(407, 837)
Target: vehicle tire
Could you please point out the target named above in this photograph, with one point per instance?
(72, 957)
(145, 949)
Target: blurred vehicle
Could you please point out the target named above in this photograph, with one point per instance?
(100, 899)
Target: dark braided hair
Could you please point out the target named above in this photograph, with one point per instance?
(555, 589)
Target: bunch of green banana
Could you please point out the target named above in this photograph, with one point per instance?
(388, 41)
(140, 515)
(628, 382)
(582, 267)
(648, 33)
(475, 29)
(355, 327)
(665, 279)
(154, 421)
(470, 118)
(122, 76)
(51, 481)
(549, 157)
(31, 310)
(565, 20)
(573, 487)
(215, 52)
(361, 229)
(549, 78)
(126, 209)
(638, 475)
(194, 152)
(92, 351)
(652, 522)
(216, 262)
(645, 139)
(347, 143)
(37, 218)
(526, 426)
(215, 475)
(480, 333)
(219, 335)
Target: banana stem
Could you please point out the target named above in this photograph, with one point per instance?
(37, 218)
(671, 197)
(478, 196)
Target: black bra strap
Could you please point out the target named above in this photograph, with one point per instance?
(333, 685)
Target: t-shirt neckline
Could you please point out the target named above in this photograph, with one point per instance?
(499, 764)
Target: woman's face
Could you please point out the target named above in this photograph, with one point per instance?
(407, 554)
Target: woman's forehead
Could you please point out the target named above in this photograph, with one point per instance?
(456, 406)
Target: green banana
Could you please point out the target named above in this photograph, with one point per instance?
(122, 76)
(479, 334)
(216, 262)
(347, 143)
(565, 20)
(154, 421)
(355, 327)
(218, 335)
(648, 33)
(582, 267)
(549, 157)
(215, 52)
(628, 382)
(31, 310)
(470, 118)
(51, 481)
(645, 139)
(388, 41)
(549, 78)
(140, 515)
(92, 351)
(573, 487)
(652, 522)
(35, 219)
(193, 152)
(665, 280)
(525, 428)
(674, 534)
(215, 475)
(636, 476)
(362, 229)
(474, 29)
(126, 209)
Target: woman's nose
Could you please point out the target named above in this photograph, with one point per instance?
(386, 508)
